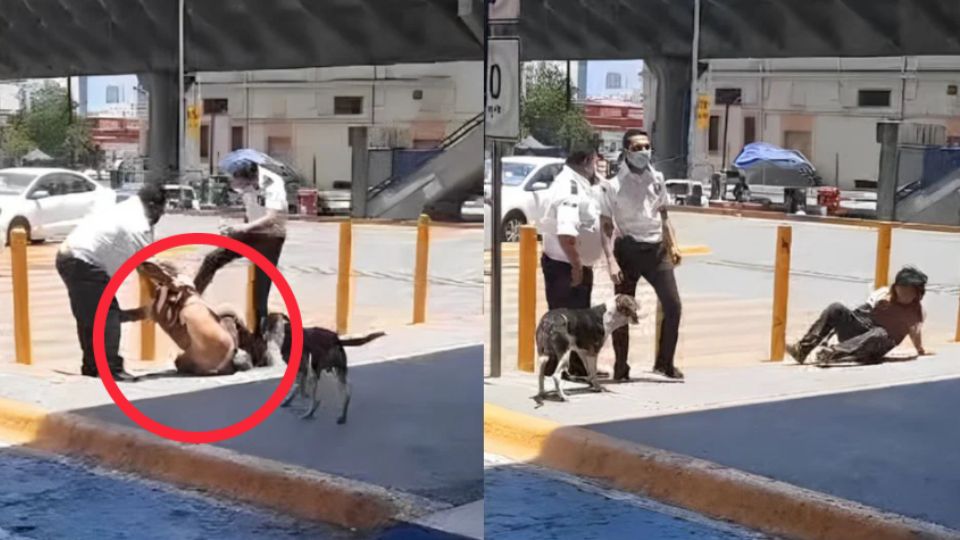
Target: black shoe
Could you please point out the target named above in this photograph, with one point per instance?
(121, 375)
(89, 371)
(621, 375)
(797, 353)
(670, 372)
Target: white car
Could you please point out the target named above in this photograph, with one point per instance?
(47, 202)
(181, 197)
(525, 180)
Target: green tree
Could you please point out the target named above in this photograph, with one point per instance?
(545, 113)
(15, 142)
(47, 118)
(79, 146)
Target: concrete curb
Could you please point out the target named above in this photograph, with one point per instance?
(829, 220)
(767, 505)
(288, 489)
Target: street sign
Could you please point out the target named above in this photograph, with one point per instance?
(504, 10)
(703, 111)
(502, 87)
(193, 121)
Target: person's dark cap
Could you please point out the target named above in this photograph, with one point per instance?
(911, 277)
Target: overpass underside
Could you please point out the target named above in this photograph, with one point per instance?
(44, 38)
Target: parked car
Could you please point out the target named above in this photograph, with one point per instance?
(47, 202)
(686, 193)
(525, 179)
(335, 201)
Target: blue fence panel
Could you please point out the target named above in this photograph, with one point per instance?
(939, 162)
(407, 161)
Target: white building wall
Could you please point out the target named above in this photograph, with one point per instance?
(291, 112)
(820, 95)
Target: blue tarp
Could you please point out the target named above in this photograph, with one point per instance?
(757, 153)
(233, 160)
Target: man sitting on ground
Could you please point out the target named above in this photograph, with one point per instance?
(869, 332)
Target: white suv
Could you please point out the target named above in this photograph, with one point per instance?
(47, 202)
(525, 179)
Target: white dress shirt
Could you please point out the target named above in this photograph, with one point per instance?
(573, 209)
(108, 237)
(635, 201)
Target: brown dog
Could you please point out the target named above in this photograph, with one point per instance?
(214, 342)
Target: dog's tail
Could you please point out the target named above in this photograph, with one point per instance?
(357, 341)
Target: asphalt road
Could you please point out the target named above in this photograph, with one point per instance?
(892, 448)
(828, 262)
(48, 498)
(524, 503)
(414, 424)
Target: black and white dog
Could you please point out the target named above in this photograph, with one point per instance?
(323, 351)
(583, 331)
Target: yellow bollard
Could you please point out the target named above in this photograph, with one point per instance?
(148, 329)
(956, 336)
(781, 291)
(252, 321)
(420, 271)
(21, 296)
(527, 301)
(344, 268)
(884, 243)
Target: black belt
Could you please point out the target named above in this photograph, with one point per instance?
(641, 246)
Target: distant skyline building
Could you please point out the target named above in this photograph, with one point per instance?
(620, 80)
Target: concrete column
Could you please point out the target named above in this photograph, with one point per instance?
(669, 132)
(359, 171)
(888, 135)
(162, 137)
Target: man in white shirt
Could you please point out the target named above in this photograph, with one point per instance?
(572, 240)
(645, 246)
(265, 198)
(92, 254)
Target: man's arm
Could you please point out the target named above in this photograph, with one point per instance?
(670, 238)
(916, 337)
(607, 241)
(269, 220)
(569, 246)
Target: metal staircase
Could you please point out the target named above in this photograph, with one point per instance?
(438, 186)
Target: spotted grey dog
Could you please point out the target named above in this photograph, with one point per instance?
(583, 331)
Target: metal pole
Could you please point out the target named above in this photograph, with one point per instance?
(181, 116)
(726, 123)
(694, 71)
(495, 261)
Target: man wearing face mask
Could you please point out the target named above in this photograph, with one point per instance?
(572, 240)
(643, 245)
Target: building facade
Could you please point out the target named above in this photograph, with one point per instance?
(303, 116)
(827, 108)
(610, 119)
(620, 80)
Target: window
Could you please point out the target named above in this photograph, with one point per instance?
(236, 137)
(215, 106)
(727, 96)
(546, 174)
(347, 105)
(873, 98)
(614, 81)
(78, 184)
(713, 135)
(417, 95)
(113, 94)
(749, 129)
(204, 141)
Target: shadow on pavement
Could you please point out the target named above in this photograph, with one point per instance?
(414, 424)
(892, 448)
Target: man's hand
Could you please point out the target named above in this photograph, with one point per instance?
(576, 275)
(616, 275)
(675, 256)
(230, 230)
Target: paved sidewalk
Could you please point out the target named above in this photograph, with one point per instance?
(878, 435)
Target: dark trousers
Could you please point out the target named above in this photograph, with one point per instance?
(652, 263)
(86, 283)
(557, 278)
(859, 339)
(270, 246)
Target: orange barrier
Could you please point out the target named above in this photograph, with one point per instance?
(781, 291)
(21, 296)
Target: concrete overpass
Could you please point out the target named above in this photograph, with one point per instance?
(40, 38)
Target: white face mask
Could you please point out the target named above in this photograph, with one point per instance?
(638, 161)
